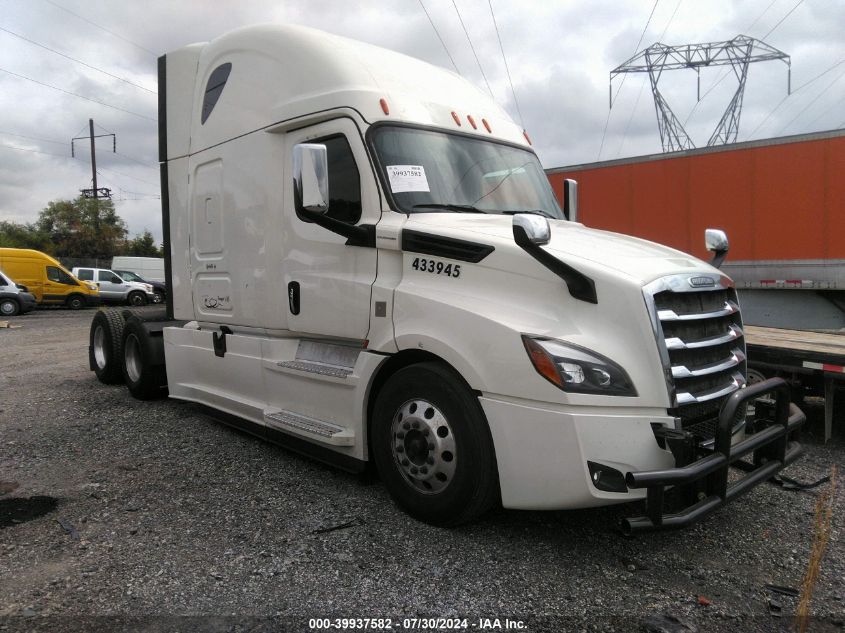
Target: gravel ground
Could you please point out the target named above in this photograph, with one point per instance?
(155, 517)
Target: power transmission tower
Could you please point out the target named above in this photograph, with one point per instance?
(736, 53)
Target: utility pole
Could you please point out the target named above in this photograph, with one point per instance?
(95, 193)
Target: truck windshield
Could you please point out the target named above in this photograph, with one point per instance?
(434, 171)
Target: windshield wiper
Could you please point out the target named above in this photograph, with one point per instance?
(534, 211)
(457, 208)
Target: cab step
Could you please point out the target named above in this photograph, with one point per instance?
(312, 428)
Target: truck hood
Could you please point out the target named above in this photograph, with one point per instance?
(636, 258)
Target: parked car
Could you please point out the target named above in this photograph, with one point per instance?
(114, 289)
(14, 298)
(159, 288)
(47, 279)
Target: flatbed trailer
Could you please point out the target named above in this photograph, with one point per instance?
(812, 358)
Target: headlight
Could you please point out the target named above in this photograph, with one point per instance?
(576, 369)
(148, 287)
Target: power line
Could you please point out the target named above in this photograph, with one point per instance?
(806, 107)
(34, 151)
(772, 30)
(501, 48)
(472, 48)
(33, 138)
(108, 105)
(781, 102)
(436, 32)
(119, 173)
(613, 99)
(73, 59)
(58, 6)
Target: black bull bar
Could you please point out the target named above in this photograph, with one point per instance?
(704, 482)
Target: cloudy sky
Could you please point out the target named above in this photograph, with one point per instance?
(102, 65)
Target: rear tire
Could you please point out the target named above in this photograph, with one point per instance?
(136, 299)
(9, 307)
(106, 346)
(75, 302)
(433, 447)
(144, 380)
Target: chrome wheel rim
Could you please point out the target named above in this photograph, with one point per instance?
(100, 347)
(132, 356)
(135, 299)
(423, 446)
(7, 308)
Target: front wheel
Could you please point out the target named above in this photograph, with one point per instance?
(432, 446)
(137, 299)
(9, 307)
(75, 302)
(158, 296)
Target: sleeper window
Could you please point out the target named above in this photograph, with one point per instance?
(214, 88)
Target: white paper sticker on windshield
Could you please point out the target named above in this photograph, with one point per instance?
(407, 178)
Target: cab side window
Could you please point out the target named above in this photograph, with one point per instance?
(59, 276)
(344, 180)
(85, 274)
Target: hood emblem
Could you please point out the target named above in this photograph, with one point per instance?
(701, 282)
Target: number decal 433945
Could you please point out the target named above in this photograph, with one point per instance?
(436, 267)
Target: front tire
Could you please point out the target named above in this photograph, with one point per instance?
(144, 380)
(9, 307)
(106, 346)
(137, 299)
(75, 302)
(158, 297)
(433, 447)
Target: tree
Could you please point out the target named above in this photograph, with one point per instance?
(82, 228)
(13, 235)
(143, 246)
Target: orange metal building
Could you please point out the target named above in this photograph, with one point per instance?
(777, 199)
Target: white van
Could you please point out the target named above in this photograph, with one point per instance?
(150, 268)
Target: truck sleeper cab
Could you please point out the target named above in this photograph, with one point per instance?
(367, 264)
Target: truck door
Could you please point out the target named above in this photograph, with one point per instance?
(328, 283)
(111, 286)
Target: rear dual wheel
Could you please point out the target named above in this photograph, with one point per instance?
(106, 346)
(432, 446)
(145, 380)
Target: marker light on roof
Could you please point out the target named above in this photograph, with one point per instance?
(486, 125)
(384, 107)
(457, 119)
(472, 122)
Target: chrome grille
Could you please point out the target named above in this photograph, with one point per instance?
(699, 333)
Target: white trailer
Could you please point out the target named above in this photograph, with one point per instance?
(367, 264)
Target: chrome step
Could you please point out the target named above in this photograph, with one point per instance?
(320, 430)
(323, 369)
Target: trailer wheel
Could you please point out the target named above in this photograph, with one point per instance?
(144, 380)
(432, 446)
(105, 350)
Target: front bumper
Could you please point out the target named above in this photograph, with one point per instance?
(700, 478)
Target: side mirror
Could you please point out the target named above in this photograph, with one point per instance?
(310, 178)
(531, 229)
(570, 199)
(716, 240)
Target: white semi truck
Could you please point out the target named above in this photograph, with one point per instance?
(368, 264)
